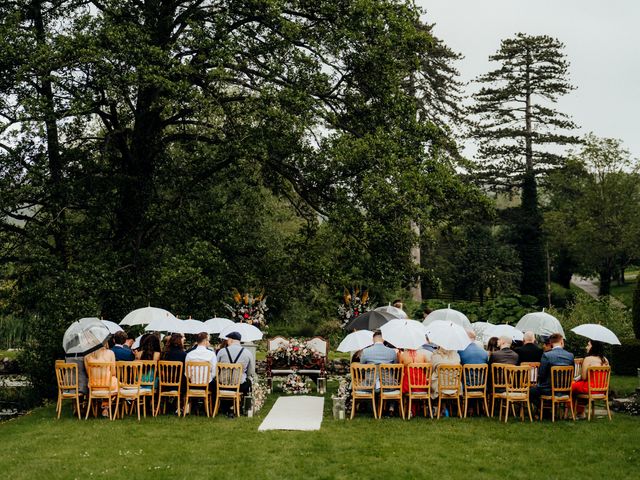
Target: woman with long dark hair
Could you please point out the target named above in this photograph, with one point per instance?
(595, 358)
(149, 349)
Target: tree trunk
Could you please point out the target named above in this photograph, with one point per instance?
(416, 288)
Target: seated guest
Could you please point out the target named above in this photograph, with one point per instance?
(407, 357)
(529, 352)
(103, 354)
(556, 357)
(378, 353)
(595, 358)
(175, 351)
(505, 354)
(121, 351)
(473, 354)
(441, 357)
(201, 353)
(236, 353)
(492, 345)
(149, 349)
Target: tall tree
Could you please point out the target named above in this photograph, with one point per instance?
(519, 132)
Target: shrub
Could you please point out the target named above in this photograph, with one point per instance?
(636, 308)
(332, 331)
(625, 358)
(561, 297)
(502, 309)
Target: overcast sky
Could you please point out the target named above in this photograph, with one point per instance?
(602, 44)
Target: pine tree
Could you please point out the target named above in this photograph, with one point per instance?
(519, 133)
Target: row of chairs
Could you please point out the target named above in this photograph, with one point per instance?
(142, 379)
(510, 385)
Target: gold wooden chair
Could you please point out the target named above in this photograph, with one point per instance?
(129, 377)
(169, 380)
(228, 379)
(100, 375)
(535, 367)
(197, 374)
(449, 385)
(67, 377)
(598, 378)
(148, 384)
(363, 386)
(419, 380)
(517, 390)
(475, 385)
(561, 379)
(498, 385)
(391, 375)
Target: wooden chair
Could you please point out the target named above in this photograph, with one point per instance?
(169, 380)
(517, 390)
(498, 385)
(449, 385)
(475, 385)
(197, 374)
(228, 379)
(391, 385)
(561, 379)
(363, 386)
(419, 380)
(67, 377)
(535, 366)
(129, 377)
(100, 376)
(148, 384)
(598, 379)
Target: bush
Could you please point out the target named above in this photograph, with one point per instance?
(625, 358)
(332, 331)
(561, 297)
(636, 308)
(503, 309)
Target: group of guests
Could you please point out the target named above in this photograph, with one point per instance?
(122, 348)
(499, 350)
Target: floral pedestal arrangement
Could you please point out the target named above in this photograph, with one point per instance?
(294, 384)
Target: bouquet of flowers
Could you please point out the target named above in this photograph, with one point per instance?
(355, 302)
(249, 308)
(297, 352)
(259, 392)
(294, 385)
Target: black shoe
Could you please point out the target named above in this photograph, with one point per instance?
(230, 415)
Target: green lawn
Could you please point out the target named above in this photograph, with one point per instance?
(39, 446)
(11, 354)
(623, 386)
(624, 293)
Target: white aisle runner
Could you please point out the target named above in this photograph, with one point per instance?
(294, 413)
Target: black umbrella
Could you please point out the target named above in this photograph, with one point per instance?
(372, 320)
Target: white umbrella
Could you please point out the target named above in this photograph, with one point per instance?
(480, 328)
(403, 333)
(356, 341)
(218, 323)
(146, 315)
(540, 323)
(395, 311)
(164, 324)
(249, 333)
(84, 336)
(112, 326)
(596, 332)
(448, 335)
(504, 330)
(448, 315)
(192, 326)
(136, 343)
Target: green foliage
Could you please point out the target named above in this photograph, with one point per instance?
(12, 332)
(636, 309)
(503, 309)
(561, 297)
(625, 358)
(332, 331)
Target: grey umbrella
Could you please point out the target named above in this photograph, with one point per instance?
(372, 320)
(84, 336)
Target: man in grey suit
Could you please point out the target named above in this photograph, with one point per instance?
(505, 354)
(378, 353)
(556, 357)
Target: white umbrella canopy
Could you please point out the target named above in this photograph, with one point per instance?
(218, 323)
(448, 335)
(146, 315)
(540, 323)
(249, 333)
(356, 341)
(395, 311)
(504, 330)
(404, 333)
(164, 324)
(596, 332)
(192, 326)
(136, 343)
(480, 329)
(112, 326)
(84, 336)
(448, 315)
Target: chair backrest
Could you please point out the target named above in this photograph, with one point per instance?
(276, 342)
(499, 376)
(449, 377)
(169, 373)
(100, 374)
(363, 376)
(149, 373)
(535, 366)
(391, 376)
(475, 376)
(320, 344)
(197, 373)
(561, 379)
(67, 376)
(598, 378)
(129, 374)
(60, 362)
(229, 376)
(577, 363)
(518, 379)
(419, 376)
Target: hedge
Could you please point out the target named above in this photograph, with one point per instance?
(625, 358)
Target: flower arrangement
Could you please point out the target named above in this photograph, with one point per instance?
(259, 392)
(296, 352)
(249, 308)
(294, 385)
(355, 302)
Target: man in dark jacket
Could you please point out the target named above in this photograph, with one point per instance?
(120, 350)
(529, 352)
(505, 354)
(556, 357)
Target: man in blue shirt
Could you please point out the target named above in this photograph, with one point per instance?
(473, 354)
(120, 350)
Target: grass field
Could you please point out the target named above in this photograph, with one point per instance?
(39, 446)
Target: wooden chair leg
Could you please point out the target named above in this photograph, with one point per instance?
(373, 400)
(353, 407)
(459, 408)
(401, 408)
(486, 407)
(506, 412)
(529, 408)
(439, 404)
